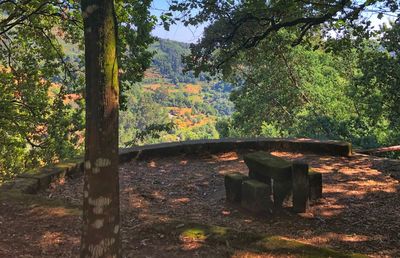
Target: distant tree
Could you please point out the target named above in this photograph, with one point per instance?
(168, 59)
(142, 119)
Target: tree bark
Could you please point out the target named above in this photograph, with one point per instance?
(101, 221)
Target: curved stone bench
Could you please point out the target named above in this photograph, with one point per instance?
(32, 183)
(334, 148)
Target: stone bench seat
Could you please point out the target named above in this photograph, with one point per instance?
(233, 186)
(255, 196)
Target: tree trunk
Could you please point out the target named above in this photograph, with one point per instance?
(100, 236)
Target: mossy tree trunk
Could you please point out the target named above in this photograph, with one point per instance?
(100, 236)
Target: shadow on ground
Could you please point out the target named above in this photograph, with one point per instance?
(359, 211)
(35, 227)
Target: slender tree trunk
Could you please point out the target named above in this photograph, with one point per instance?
(100, 236)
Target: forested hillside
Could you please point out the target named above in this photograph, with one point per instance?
(170, 105)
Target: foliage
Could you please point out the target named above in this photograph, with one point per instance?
(283, 90)
(272, 130)
(42, 80)
(237, 26)
(303, 92)
(167, 60)
(37, 124)
(135, 24)
(141, 114)
(168, 96)
(301, 68)
(376, 88)
(339, 81)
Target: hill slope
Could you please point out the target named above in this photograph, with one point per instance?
(167, 95)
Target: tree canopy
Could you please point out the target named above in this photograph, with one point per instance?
(306, 92)
(236, 26)
(315, 69)
(41, 71)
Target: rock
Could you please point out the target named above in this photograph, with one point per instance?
(233, 186)
(315, 181)
(300, 186)
(256, 196)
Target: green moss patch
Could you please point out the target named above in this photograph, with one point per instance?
(214, 236)
(280, 245)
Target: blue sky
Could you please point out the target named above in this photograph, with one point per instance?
(193, 34)
(176, 32)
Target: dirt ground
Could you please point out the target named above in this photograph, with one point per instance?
(359, 211)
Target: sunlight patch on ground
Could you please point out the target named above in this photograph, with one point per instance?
(180, 200)
(49, 239)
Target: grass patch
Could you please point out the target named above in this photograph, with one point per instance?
(246, 242)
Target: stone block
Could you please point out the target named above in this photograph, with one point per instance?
(26, 185)
(315, 181)
(259, 177)
(281, 190)
(300, 186)
(256, 196)
(48, 175)
(233, 186)
(268, 165)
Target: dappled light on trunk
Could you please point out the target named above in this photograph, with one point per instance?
(101, 219)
